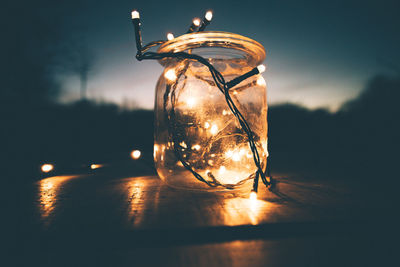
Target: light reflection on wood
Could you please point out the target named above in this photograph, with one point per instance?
(242, 211)
(49, 193)
(143, 199)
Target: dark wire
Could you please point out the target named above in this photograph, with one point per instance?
(224, 88)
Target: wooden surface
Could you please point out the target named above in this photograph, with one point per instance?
(115, 220)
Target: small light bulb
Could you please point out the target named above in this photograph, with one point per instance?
(196, 147)
(261, 81)
(214, 129)
(170, 36)
(236, 156)
(253, 196)
(209, 15)
(206, 125)
(196, 22)
(191, 102)
(95, 166)
(170, 75)
(135, 14)
(136, 154)
(222, 169)
(261, 68)
(47, 167)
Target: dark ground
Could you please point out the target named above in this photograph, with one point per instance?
(91, 219)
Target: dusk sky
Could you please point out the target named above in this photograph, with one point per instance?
(319, 53)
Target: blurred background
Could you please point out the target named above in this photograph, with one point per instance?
(72, 93)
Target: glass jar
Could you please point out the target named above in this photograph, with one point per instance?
(193, 122)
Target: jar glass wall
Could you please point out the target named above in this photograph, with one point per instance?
(193, 121)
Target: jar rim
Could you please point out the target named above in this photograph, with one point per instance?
(253, 51)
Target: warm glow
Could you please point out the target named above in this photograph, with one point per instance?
(47, 167)
(261, 81)
(49, 192)
(209, 15)
(225, 112)
(196, 22)
(170, 36)
(222, 169)
(261, 68)
(183, 144)
(236, 156)
(135, 14)
(170, 75)
(191, 102)
(95, 166)
(135, 154)
(214, 129)
(196, 147)
(253, 196)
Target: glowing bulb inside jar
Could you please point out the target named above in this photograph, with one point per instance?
(222, 169)
(170, 75)
(253, 196)
(196, 147)
(214, 129)
(261, 81)
(236, 156)
(191, 102)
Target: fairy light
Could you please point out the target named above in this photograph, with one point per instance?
(206, 20)
(214, 129)
(220, 83)
(206, 125)
(261, 68)
(257, 70)
(191, 102)
(236, 156)
(208, 16)
(96, 166)
(135, 154)
(170, 75)
(170, 36)
(47, 167)
(253, 196)
(195, 24)
(261, 81)
(222, 170)
(135, 14)
(196, 147)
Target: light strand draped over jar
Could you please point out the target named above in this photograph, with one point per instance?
(193, 123)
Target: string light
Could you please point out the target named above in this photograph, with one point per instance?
(96, 166)
(170, 75)
(170, 36)
(208, 16)
(261, 81)
(253, 196)
(195, 24)
(222, 85)
(135, 14)
(261, 68)
(47, 167)
(135, 154)
(206, 20)
(214, 129)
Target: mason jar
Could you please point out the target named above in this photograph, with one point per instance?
(195, 131)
